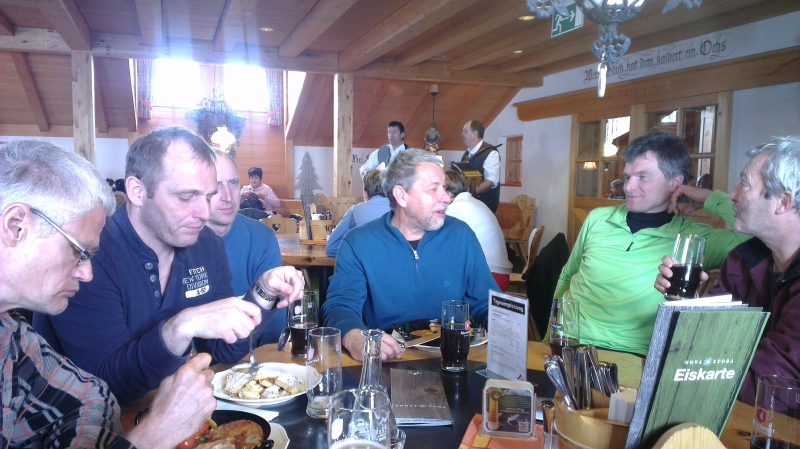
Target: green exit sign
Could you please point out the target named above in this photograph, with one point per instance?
(562, 25)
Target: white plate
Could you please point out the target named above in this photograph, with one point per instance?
(278, 435)
(477, 341)
(302, 372)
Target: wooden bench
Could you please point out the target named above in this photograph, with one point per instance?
(338, 205)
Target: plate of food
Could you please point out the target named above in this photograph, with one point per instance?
(272, 384)
(231, 429)
(424, 328)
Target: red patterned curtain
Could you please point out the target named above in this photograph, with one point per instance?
(144, 84)
(275, 85)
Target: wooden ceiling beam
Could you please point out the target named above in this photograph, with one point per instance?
(646, 25)
(6, 27)
(28, 81)
(65, 18)
(151, 22)
(34, 40)
(438, 71)
(414, 18)
(231, 25)
(502, 13)
(375, 100)
(319, 19)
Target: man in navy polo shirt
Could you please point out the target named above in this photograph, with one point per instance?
(162, 284)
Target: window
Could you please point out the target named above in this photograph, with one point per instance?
(246, 88)
(598, 162)
(513, 161)
(177, 83)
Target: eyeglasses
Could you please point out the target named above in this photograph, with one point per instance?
(84, 253)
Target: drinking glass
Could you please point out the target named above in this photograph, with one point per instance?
(325, 356)
(455, 335)
(687, 266)
(359, 419)
(301, 317)
(565, 326)
(777, 411)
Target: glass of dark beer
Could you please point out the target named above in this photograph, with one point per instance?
(775, 421)
(302, 317)
(565, 328)
(686, 267)
(455, 335)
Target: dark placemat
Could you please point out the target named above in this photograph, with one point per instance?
(463, 392)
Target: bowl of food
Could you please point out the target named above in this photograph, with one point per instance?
(271, 384)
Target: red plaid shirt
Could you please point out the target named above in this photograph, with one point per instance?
(47, 401)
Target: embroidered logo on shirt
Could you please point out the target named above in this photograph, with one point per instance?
(196, 283)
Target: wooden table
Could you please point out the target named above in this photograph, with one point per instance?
(297, 255)
(735, 436)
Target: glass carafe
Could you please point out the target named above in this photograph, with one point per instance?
(372, 377)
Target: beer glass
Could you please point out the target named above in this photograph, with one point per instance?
(359, 419)
(325, 356)
(455, 338)
(775, 422)
(302, 317)
(686, 268)
(565, 326)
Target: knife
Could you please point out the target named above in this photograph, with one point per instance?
(420, 340)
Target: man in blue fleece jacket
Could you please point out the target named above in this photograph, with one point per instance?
(162, 283)
(401, 267)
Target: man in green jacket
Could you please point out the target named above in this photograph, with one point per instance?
(618, 251)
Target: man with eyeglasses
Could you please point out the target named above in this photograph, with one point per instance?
(47, 401)
(162, 287)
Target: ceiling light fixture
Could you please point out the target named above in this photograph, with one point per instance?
(608, 14)
(266, 29)
(517, 52)
(526, 18)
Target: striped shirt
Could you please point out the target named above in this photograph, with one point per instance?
(47, 401)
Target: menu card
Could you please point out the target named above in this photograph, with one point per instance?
(507, 352)
(418, 399)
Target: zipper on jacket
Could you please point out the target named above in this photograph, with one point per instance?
(632, 242)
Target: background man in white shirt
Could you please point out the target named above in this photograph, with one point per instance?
(396, 133)
(486, 159)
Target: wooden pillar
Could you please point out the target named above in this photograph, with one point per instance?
(83, 124)
(342, 134)
(289, 167)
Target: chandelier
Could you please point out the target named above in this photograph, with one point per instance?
(608, 14)
(216, 121)
(433, 139)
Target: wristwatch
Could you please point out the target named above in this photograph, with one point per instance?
(263, 294)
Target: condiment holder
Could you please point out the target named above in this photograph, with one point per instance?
(588, 428)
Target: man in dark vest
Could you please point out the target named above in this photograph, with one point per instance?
(396, 133)
(486, 159)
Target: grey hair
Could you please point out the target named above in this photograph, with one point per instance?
(403, 171)
(145, 159)
(781, 170)
(58, 182)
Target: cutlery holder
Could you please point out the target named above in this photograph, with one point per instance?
(590, 428)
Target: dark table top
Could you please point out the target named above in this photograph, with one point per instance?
(463, 391)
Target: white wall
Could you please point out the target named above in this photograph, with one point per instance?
(109, 153)
(758, 115)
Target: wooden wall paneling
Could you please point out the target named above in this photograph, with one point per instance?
(321, 102)
(343, 134)
(232, 24)
(66, 19)
(317, 21)
(505, 98)
(53, 75)
(151, 22)
(293, 122)
(572, 234)
(6, 28)
(451, 132)
(418, 119)
(28, 81)
(413, 18)
(638, 123)
(321, 127)
(723, 140)
(765, 69)
(83, 114)
(100, 110)
(372, 104)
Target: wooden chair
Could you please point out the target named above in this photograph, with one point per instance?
(338, 205)
(705, 287)
(517, 222)
(535, 240)
(689, 436)
(281, 225)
